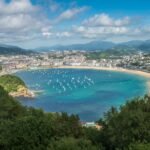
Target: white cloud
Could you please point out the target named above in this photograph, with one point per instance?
(20, 20)
(93, 32)
(69, 14)
(63, 34)
(16, 6)
(47, 34)
(104, 26)
(105, 20)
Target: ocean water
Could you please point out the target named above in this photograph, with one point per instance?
(88, 93)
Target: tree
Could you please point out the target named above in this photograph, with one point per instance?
(128, 125)
(33, 129)
(139, 146)
(9, 108)
(71, 144)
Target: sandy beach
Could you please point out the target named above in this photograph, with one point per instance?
(137, 72)
(141, 73)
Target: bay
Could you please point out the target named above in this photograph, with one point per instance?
(88, 93)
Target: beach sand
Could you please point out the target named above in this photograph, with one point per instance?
(141, 73)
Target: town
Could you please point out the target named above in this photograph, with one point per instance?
(54, 59)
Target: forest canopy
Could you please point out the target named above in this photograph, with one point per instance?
(33, 129)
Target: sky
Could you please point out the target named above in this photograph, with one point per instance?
(40, 23)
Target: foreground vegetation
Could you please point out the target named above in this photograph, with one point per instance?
(23, 128)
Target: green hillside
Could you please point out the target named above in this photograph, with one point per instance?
(23, 128)
(117, 52)
(11, 83)
(13, 50)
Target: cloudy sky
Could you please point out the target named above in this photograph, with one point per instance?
(36, 23)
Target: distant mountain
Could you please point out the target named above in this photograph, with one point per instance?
(14, 50)
(94, 45)
(137, 45)
(145, 46)
(134, 43)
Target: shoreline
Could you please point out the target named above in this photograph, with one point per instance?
(137, 72)
(116, 69)
(27, 94)
(22, 91)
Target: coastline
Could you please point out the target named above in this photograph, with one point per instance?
(135, 72)
(22, 90)
(116, 69)
(28, 94)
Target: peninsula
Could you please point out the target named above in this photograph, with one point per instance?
(15, 86)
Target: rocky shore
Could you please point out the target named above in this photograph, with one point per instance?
(22, 92)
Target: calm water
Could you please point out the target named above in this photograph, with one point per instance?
(88, 93)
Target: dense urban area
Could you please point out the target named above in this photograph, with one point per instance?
(134, 61)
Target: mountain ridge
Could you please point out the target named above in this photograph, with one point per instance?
(100, 46)
(137, 45)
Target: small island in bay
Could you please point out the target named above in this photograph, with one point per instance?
(15, 86)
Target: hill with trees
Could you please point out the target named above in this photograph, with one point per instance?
(14, 50)
(26, 128)
(11, 83)
(15, 86)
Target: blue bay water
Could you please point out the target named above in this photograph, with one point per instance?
(88, 93)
